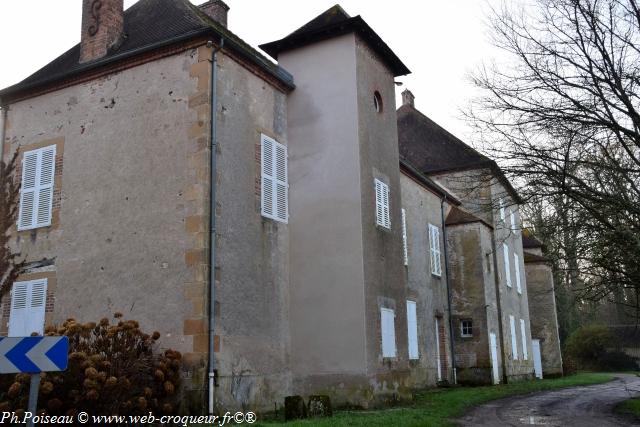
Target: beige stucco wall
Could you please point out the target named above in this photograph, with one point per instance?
(427, 290)
(131, 233)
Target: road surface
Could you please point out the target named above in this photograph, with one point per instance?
(590, 406)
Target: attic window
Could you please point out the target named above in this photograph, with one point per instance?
(377, 102)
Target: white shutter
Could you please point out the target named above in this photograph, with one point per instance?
(514, 343)
(405, 249)
(28, 300)
(523, 333)
(412, 330)
(516, 262)
(512, 216)
(507, 267)
(275, 181)
(434, 249)
(501, 203)
(383, 217)
(36, 193)
(388, 331)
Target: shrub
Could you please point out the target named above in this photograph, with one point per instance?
(594, 347)
(112, 369)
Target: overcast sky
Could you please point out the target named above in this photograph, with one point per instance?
(440, 41)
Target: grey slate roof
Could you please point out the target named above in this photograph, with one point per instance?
(458, 216)
(433, 150)
(332, 23)
(150, 24)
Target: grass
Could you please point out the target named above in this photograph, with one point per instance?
(439, 407)
(630, 407)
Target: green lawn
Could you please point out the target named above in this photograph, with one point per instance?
(630, 407)
(438, 407)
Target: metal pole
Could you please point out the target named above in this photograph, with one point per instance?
(33, 397)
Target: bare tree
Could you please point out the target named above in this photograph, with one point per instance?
(563, 119)
(10, 265)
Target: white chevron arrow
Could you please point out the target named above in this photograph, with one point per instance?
(38, 357)
(5, 346)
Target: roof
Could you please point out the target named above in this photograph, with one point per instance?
(434, 150)
(408, 168)
(150, 24)
(529, 241)
(332, 23)
(457, 216)
(532, 258)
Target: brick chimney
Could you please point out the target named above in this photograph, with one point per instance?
(408, 98)
(216, 10)
(102, 28)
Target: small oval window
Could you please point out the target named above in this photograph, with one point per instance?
(377, 101)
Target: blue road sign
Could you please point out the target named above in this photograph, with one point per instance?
(33, 354)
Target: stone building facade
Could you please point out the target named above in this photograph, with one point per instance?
(337, 257)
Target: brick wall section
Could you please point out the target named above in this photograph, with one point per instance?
(442, 337)
(108, 20)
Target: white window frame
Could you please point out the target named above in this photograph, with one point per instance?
(405, 248)
(507, 267)
(516, 265)
(272, 174)
(38, 188)
(514, 335)
(383, 212)
(388, 332)
(467, 327)
(523, 333)
(29, 314)
(434, 250)
(412, 330)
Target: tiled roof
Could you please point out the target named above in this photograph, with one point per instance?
(150, 24)
(458, 216)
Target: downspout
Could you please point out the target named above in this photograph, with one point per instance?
(212, 221)
(499, 307)
(3, 120)
(446, 271)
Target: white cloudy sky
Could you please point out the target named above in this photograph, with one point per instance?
(440, 41)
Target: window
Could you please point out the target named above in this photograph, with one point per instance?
(382, 204)
(516, 265)
(387, 322)
(405, 250)
(434, 245)
(466, 328)
(377, 102)
(523, 334)
(514, 344)
(507, 267)
(36, 194)
(501, 204)
(412, 330)
(514, 226)
(27, 308)
(275, 181)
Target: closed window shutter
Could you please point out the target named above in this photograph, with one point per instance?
(516, 265)
(36, 194)
(275, 181)
(434, 245)
(387, 323)
(383, 217)
(501, 203)
(405, 248)
(412, 326)
(523, 333)
(28, 300)
(514, 343)
(507, 267)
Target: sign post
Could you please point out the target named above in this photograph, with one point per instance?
(33, 355)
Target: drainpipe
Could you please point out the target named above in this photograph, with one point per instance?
(499, 307)
(212, 221)
(446, 271)
(3, 120)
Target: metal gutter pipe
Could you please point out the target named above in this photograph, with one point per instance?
(446, 270)
(212, 220)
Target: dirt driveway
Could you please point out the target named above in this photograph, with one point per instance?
(590, 406)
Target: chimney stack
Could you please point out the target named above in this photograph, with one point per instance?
(102, 28)
(408, 98)
(216, 10)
